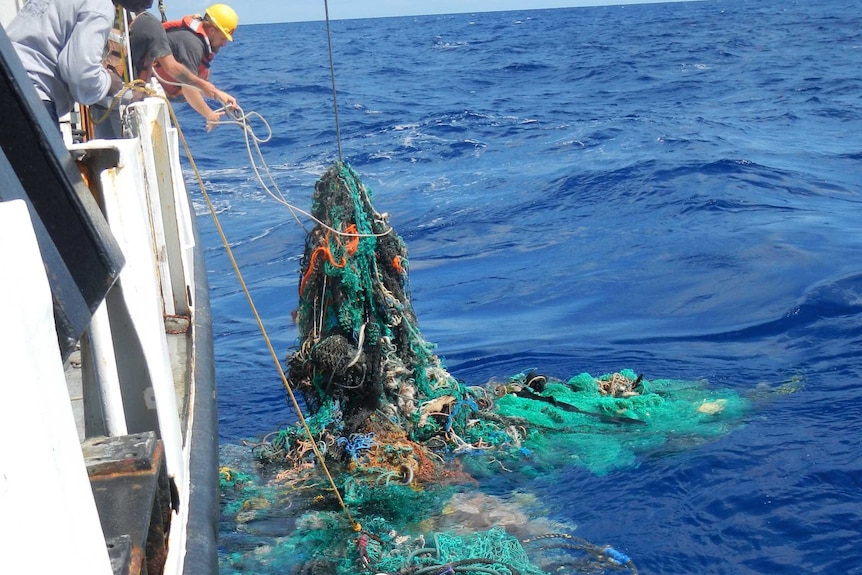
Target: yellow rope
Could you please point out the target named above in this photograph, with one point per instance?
(356, 526)
(136, 86)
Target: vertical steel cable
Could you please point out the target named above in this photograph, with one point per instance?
(332, 75)
(356, 526)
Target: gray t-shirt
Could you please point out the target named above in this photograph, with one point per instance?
(147, 42)
(188, 48)
(60, 43)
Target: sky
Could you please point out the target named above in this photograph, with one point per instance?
(263, 11)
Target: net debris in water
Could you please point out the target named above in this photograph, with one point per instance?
(406, 440)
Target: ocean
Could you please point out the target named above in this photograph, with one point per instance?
(672, 188)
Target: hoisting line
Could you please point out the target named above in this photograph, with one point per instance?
(241, 118)
(356, 526)
(332, 75)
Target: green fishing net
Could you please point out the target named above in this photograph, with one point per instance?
(380, 399)
(409, 446)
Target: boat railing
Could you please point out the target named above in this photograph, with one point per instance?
(138, 355)
(106, 367)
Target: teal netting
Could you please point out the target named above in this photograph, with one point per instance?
(410, 446)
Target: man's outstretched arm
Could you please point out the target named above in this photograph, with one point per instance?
(182, 74)
(196, 101)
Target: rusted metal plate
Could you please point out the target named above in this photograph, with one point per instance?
(124, 559)
(124, 454)
(133, 495)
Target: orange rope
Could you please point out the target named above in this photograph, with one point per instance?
(353, 244)
(351, 248)
(356, 526)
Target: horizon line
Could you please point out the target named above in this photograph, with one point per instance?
(588, 4)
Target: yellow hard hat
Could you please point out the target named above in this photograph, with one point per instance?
(224, 18)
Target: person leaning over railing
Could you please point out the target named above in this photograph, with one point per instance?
(194, 41)
(149, 44)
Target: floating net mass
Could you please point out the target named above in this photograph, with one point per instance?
(410, 445)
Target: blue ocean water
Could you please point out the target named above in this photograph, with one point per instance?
(672, 188)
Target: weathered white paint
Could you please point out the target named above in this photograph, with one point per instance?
(184, 210)
(128, 214)
(183, 252)
(104, 362)
(49, 517)
(163, 216)
(146, 206)
(157, 129)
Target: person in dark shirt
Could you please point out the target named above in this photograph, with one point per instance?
(194, 41)
(148, 44)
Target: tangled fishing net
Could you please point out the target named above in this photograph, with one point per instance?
(403, 436)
